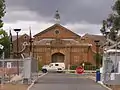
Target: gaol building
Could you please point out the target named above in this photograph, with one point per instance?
(59, 44)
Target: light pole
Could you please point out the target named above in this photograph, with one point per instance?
(97, 53)
(17, 31)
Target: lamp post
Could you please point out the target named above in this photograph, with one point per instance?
(17, 31)
(97, 52)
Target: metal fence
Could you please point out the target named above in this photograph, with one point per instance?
(86, 67)
(9, 66)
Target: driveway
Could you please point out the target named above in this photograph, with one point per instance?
(61, 81)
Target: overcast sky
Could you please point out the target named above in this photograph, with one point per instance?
(80, 16)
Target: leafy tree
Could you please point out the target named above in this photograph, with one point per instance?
(2, 11)
(112, 23)
(5, 42)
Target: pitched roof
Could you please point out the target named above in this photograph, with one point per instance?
(15, 37)
(96, 37)
(55, 25)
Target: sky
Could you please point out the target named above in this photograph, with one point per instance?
(80, 16)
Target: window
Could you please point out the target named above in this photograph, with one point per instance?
(57, 31)
(50, 65)
(25, 37)
(76, 59)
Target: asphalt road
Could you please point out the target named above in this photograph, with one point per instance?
(59, 81)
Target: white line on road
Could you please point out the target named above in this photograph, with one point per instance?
(35, 80)
(104, 86)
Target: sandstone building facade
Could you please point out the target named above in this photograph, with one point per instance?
(59, 44)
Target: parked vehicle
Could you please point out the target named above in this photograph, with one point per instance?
(57, 67)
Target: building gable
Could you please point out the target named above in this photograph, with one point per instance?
(57, 31)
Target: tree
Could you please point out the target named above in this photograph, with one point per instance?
(2, 11)
(5, 42)
(4, 39)
(112, 23)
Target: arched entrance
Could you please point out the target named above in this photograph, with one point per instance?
(58, 57)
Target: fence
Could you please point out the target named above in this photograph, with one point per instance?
(86, 67)
(9, 66)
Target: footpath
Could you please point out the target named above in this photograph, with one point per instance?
(18, 86)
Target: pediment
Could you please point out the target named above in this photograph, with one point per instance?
(57, 31)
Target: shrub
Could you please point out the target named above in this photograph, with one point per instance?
(73, 67)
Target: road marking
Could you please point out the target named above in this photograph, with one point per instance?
(35, 80)
(104, 86)
(100, 83)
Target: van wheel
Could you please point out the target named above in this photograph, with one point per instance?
(60, 70)
(44, 70)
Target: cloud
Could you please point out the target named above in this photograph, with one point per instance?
(92, 11)
(80, 16)
(36, 27)
(24, 15)
(83, 28)
(25, 26)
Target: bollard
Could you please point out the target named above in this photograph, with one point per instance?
(98, 75)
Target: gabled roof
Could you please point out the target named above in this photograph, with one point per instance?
(96, 37)
(55, 25)
(15, 37)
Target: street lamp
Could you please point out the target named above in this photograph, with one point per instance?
(97, 52)
(17, 31)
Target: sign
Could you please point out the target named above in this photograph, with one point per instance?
(9, 65)
(80, 70)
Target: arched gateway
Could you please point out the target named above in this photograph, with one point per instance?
(58, 57)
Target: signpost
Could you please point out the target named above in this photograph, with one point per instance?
(80, 70)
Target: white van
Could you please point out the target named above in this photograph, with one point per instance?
(58, 67)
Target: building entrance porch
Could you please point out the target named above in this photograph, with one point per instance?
(58, 57)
